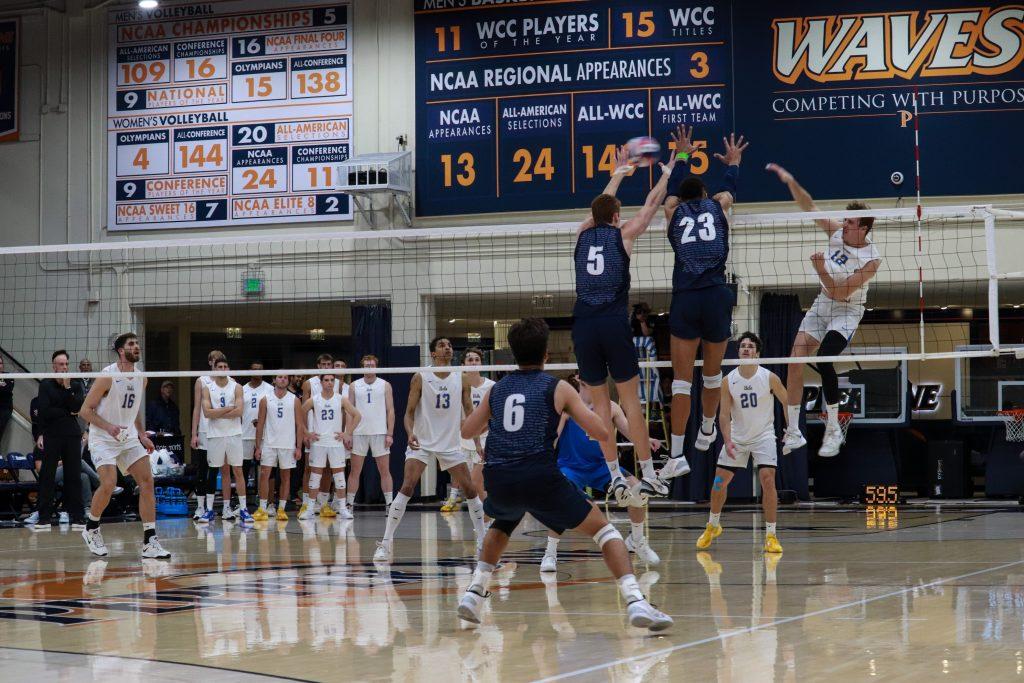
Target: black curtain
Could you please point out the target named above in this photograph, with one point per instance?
(779, 323)
(371, 332)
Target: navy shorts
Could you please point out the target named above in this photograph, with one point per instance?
(702, 313)
(604, 346)
(543, 491)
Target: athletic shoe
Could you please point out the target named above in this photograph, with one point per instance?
(260, 515)
(327, 512)
(771, 544)
(228, 514)
(31, 519)
(643, 550)
(63, 518)
(244, 517)
(453, 503)
(832, 441)
(199, 513)
(704, 441)
(383, 552)
(154, 551)
(711, 532)
(344, 512)
(471, 606)
(674, 467)
(305, 512)
(624, 495)
(549, 563)
(792, 440)
(653, 487)
(282, 515)
(209, 517)
(94, 542)
(643, 615)
(271, 510)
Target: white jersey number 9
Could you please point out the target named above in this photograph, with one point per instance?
(512, 420)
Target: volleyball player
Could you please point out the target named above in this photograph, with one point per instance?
(701, 313)
(747, 419)
(581, 461)
(223, 405)
(473, 448)
(334, 419)
(342, 388)
(372, 396)
(204, 497)
(522, 412)
(279, 435)
(601, 334)
(117, 440)
(433, 417)
(252, 392)
(311, 387)
(832, 320)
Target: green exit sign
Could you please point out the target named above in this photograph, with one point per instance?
(252, 286)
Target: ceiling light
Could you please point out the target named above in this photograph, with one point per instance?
(148, 4)
(943, 308)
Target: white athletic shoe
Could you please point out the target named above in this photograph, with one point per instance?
(344, 512)
(383, 552)
(674, 467)
(200, 511)
(549, 563)
(653, 487)
(229, 514)
(643, 550)
(471, 606)
(832, 441)
(793, 440)
(154, 551)
(623, 494)
(271, 511)
(94, 541)
(643, 615)
(306, 512)
(704, 441)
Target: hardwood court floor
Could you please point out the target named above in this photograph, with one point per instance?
(932, 595)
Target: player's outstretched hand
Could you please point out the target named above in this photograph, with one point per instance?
(818, 261)
(623, 166)
(683, 139)
(733, 150)
(784, 175)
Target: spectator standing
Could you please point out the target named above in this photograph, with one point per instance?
(643, 340)
(59, 402)
(162, 413)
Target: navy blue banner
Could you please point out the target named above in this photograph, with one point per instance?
(9, 80)
(520, 106)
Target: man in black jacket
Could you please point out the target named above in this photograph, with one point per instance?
(59, 402)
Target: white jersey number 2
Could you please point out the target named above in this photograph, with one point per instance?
(512, 420)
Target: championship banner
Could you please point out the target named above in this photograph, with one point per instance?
(9, 80)
(228, 113)
(520, 106)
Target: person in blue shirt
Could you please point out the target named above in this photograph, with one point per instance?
(702, 301)
(581, 461)
(601, 335)
(521, 414)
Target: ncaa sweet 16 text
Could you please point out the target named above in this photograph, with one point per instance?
(230, 111)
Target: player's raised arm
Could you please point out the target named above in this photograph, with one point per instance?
(567, 400)
(622, 169)
(803, 198)
(733, 156)
(639, 223)
(684, 148)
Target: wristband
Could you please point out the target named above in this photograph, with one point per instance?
(683, 156)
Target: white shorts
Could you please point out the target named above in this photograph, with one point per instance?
(282, 458)
(369, 444)
(248, 447)
(124, 455)
(826, 315)
(221, 449)
(472, 457)
(445, 460)
(319, 456)
(764, 451)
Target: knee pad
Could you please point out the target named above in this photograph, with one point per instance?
(505, 526)
(339, 479)
(607, 533)
(712, 381)
(680, 387)
(314, 481)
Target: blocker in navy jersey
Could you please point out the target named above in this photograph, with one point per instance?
(601, 335)
(521, 472)
(701, 299)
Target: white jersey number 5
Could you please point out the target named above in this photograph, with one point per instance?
(595, 261)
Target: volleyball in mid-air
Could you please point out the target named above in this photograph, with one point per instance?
(643, 151)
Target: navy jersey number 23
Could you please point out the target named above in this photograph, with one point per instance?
(699, 233)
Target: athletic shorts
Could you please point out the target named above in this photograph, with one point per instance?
(543, 491)
(702, 313)
(826, 315)
(224, 449)
(248, 447)
(369, 444)
(764, 451)
(122, 455)
(445, 461)
(282, 458)
(319, 456)
(604, 346)
(593, 478)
